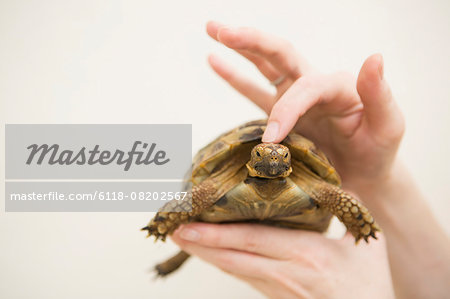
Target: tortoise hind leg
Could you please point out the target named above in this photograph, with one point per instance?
(348, 210)
(171, 264)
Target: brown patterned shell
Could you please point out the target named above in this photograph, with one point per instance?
(242, 139)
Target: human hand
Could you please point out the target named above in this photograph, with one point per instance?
(354, 121)
(283, 263)
(359, 126)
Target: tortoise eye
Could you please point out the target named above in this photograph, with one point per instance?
(258, 154)
(285, 156)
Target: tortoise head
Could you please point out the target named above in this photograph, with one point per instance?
(270, 160)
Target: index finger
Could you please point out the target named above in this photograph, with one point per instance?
(263, 240)
(294, 103)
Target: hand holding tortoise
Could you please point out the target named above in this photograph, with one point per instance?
(359, 126)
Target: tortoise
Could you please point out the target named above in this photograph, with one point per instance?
(236, 178)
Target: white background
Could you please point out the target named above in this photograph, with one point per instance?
(145, 62)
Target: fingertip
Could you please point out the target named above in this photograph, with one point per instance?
(272, 132)
(372, 72)
(213, 59)
(212, 28)
(371, 86)
(374, 64)
(211, 23)
(382, 113)
(219, 66)
(283, 117)
(190, 232)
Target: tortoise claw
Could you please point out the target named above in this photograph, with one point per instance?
(153, 231)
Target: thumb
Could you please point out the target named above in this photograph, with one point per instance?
(380, 110)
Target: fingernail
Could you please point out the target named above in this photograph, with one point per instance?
(271, 133)
(381, 67)
(189, 234)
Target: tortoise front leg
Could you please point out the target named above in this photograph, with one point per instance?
(200, 198)
(348, 210)
(177, 212)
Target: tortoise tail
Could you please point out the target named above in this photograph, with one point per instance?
(171, 264)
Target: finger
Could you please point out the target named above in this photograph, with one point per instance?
(296, 101)
(261, 63)
(258, 239)
(231, 261)
(212, 28)
(278, 52)
(380, 110)
(247, 88)
(336, 94)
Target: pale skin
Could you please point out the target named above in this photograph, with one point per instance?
(357, 123)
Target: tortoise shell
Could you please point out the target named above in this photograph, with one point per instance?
(242, 139)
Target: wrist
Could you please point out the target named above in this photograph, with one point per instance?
(412, 234)
(392, 195)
